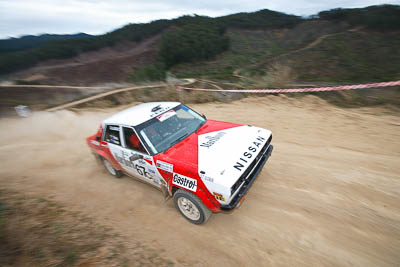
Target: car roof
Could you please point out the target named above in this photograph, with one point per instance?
(138, 114)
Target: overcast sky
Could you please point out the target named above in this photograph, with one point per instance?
(22, 17)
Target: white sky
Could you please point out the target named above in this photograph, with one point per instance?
(22, 17)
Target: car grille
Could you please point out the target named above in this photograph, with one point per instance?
(246, 173)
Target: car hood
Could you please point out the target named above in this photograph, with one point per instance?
(220, 152)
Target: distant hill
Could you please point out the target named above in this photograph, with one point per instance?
(382, 18)
(313, 51)
(61, 49)
(262, 19)
(32, 41)
(339, 45)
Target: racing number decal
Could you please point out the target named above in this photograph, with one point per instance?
(185, 182)
(142, 168)
(142, 171)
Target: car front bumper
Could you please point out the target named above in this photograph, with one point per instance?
(249, 181)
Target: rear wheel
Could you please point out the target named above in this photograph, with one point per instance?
(191, 207)
(111, 170)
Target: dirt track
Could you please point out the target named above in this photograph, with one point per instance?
(329, 195)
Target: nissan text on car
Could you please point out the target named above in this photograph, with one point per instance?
(207, 166)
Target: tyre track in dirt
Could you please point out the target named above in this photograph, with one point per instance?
(327, 197)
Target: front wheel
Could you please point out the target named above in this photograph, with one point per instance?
(191, 207)
(111, 170)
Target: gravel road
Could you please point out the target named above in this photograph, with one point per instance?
(329, 195)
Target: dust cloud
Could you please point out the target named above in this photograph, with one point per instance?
(329, 195)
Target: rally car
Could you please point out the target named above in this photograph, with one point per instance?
(207, 166)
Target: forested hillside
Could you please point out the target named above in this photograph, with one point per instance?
(381, 18)
(11, 62)
(340, 45)
(32, 41)
(334, 45)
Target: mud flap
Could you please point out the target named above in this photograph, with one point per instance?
(165, 192)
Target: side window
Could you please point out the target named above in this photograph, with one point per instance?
(132, 140)
(112, 135)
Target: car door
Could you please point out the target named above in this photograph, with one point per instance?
(111, 143)
(137, 160)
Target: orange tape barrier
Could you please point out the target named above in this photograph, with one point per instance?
(300, 90)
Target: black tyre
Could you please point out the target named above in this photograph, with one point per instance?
(191, 207)
(111, 170)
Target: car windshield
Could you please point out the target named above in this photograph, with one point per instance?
(169, 128)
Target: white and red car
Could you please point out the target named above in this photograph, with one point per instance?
(207, 166)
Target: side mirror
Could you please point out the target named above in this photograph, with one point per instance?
(97, 138)
(135, 157)
(204, 116)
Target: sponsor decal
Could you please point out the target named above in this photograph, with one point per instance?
(158, 110)
(208, 178)
(185, 182)
(94, 142)
(212, 140)
(219, 196)
(165, 166)
(247, 155)
(166, 115)
(140, 168)
(205, 177)
(123, 161)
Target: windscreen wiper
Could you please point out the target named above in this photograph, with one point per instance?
(179, 139)
(176, 141)
(201, 124)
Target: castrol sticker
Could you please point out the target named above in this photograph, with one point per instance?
(185, 182)
(166, 115)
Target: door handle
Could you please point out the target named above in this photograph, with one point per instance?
(135, 157)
